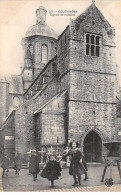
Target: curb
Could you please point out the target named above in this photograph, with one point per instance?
(103, 188)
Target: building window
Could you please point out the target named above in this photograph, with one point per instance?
(93, 22)
(93, 97)
(87, 49)
(31, 49)
(92, 45)
(57, 139)
(54, 69)
(44, 53)
(16, 102)
(44, 81)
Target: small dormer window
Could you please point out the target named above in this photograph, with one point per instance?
(92, 45)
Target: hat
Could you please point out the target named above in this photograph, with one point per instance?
(52, 157)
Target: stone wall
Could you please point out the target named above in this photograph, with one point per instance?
(87, 116)
(91, 86)
(52, 128)
(24, 118)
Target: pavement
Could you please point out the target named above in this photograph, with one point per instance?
(24, 182)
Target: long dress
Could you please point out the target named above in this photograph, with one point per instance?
(17, 163)
(76, 168)
(5, 163)
(34, 164)
(51, 171)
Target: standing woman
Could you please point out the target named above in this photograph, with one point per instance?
(34, 165)
(76, 169)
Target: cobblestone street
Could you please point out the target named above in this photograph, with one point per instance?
(24, 182)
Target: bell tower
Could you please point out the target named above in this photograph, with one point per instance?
(39, 46)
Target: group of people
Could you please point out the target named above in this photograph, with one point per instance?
(52, 169)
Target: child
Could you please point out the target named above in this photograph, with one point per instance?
(17, 163)
(52, 170)
(5, 165)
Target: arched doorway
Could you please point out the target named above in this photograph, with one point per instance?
(92, 147)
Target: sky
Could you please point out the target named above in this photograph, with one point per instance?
(16, 16)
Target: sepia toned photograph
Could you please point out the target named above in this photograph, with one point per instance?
(60, 96)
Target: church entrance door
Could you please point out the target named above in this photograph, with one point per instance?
(92, 147)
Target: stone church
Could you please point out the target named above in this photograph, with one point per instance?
(66, 91)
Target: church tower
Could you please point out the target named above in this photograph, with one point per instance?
(39, 45)
(92, 97)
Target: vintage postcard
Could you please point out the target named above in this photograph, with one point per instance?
(60, 95)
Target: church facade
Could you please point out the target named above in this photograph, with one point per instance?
(67, 88)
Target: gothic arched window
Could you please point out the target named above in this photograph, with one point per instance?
(44, 53)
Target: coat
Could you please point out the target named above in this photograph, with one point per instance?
(34, 164)
(76, 168)
(5, 163)
(17, 163)
(52, 170)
